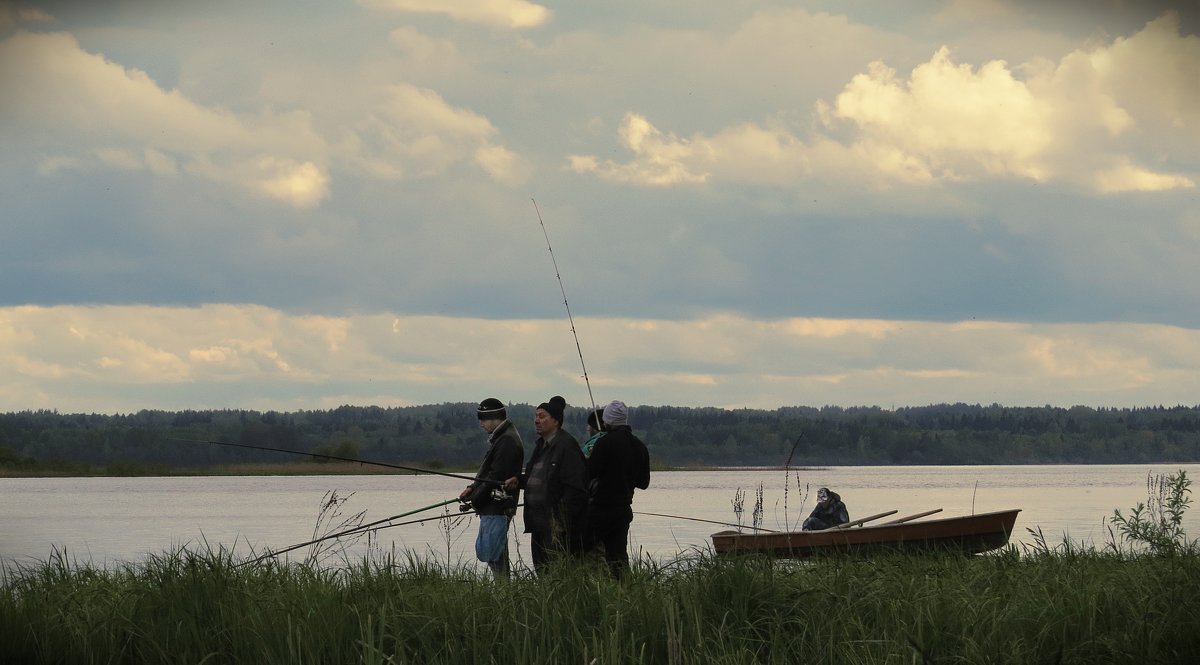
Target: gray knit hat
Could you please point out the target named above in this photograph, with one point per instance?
(616, 413)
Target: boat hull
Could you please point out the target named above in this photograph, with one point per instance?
(970, 534)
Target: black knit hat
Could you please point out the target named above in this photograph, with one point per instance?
(555, 407)
(491, 409)
(596, 420)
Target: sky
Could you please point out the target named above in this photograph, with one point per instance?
(304, 204)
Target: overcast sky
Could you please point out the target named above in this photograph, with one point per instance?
(303, 204)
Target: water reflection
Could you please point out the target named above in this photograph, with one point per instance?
(106, 520)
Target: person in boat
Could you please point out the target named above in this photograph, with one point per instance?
(555, 484)
(495, 504)
(595, 430)
(619, 463)
(830, 512)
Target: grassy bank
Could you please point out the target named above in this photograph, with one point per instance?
(1068, 606)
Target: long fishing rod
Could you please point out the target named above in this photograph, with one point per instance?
(697, 519)
(341, 459)
(570, 318)
(360, 529)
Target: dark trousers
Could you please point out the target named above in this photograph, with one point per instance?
(610, 529)
(541, 544)
(550, 542)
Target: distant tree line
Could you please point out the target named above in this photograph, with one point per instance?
(448, 435)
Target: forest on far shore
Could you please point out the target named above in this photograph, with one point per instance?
(448, 436)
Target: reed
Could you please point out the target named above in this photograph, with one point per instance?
(1055, 605)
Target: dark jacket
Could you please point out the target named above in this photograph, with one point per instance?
(618, 464)
(501, 462)
(562, 498)
(827, 515)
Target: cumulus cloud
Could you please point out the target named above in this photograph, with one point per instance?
(951, 119)
(953, 122)
(99, 115)
(74, 358)
(11, 15)
(513, 14)
(421, 48)
(659, 159)
(414, 132)
(130, 123)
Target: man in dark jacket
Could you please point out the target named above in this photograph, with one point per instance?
(830, 512)
(617, 464)
(494, 504)
(555, 484)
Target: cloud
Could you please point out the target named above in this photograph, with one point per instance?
(1152, 75)
(1128, 177)
(660, 159)
(949, 122)
(952, 120)
(421, 48)
(513, 14)
(130, 123)
(414, 132)
(11, 15)
(83, 358)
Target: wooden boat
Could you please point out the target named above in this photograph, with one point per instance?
(970, 534)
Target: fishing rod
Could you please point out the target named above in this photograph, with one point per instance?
(565, 304)
(697, 519)
(341, 459)
(360, 529)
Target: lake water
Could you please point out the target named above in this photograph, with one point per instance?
(112, 520)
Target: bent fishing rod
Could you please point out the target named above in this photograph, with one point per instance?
(570, 318)
(341, 459)
(361, 529)
(373, 526)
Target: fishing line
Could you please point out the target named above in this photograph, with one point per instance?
(341, 459)
(565, 304)
(697, 519)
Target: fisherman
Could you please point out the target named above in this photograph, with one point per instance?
(595, 430)
(555, 484)
(618, 463)
(829, 512)
(494, 503)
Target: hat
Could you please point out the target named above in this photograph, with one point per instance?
(555, 407)
(491, 409)
(595, 419)
(616, 413)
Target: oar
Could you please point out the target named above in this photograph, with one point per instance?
(697, 519)
(902, 520)
(847, 525)
(347, 532)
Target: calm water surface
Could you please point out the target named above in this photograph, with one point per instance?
(110, 520)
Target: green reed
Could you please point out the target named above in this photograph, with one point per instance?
(1064, 605)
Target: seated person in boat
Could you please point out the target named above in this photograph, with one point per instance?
(830, 512)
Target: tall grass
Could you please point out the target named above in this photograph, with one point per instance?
(1049, 606)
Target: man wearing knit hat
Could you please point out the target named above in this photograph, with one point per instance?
(555, 484)
(494, 504)
(618, 463)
